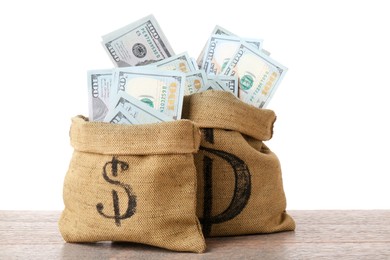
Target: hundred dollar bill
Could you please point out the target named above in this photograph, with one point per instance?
(259, 75)
(141, 112)
(220, 49)
(99, 88)
(181, 62)
(229, 82)
(139, 43)
(218, 30)
(120, 116)
(162, 90)
(195, 82)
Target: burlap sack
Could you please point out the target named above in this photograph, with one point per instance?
(132, 183)
(240, 188)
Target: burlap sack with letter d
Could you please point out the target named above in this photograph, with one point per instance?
(240, 188)
(133, 183)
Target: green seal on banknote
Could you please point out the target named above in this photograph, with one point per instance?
(148, 101)
(246, 82)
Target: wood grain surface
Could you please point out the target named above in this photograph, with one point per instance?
(319, 235)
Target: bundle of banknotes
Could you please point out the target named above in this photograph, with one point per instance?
(149, 80)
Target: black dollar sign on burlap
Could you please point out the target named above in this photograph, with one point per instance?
(242, 187)
(132, 199)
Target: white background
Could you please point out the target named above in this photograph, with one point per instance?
(332, 132)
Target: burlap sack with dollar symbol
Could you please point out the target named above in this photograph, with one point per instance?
(240, 188)
(133, 183)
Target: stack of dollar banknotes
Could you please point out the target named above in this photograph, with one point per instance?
(149, 80)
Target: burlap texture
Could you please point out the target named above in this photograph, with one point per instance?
(132, 183)
(240, 189)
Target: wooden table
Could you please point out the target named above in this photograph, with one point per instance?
(319, 234)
